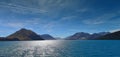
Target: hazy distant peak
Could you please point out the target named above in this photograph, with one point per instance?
(82, 33)
(47, 37)
(101, 33)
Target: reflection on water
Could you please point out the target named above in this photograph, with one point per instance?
(30, 49)
(60, 49)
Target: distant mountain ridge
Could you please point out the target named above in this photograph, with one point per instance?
(78, 36)
(47, 37)
(97, 35)
(111, 36)
(26, 35)
(86, 36)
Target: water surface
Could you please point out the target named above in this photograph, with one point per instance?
(62, 48)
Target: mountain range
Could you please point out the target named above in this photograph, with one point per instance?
(111, 36)
(28, 35)
(25, 35)
(86, 36)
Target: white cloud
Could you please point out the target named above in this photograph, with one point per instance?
(82, 10)
(15, 25)
(34, 6)
(34, 21)
(68, 18)
(47, 7)
(22, 9)
(94, 21)
(49, 26)
(100, 19)
(21, 23)
(115, 30)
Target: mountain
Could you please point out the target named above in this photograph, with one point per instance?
(47, 37)
(79, 36)
(24, 34)
(97, 35)
(111, 36)
(86, 36)
(59, 38)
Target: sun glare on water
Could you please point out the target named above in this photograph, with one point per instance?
(43, 48)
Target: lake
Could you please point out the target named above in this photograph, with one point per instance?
(60, 48)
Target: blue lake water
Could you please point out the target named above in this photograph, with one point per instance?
(60, 48)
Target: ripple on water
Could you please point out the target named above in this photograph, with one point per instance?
(60, 49)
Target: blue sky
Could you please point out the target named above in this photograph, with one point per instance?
(59, 18)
